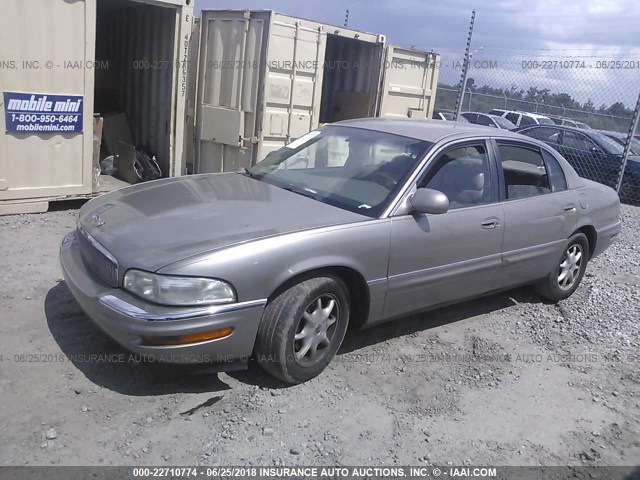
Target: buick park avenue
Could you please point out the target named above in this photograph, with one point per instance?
(357, 223)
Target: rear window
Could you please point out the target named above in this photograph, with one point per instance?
(556, 175)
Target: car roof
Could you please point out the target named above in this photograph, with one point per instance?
(560, 127)
(490, 115)
(532, 115)
(609, 133)
(427, 130)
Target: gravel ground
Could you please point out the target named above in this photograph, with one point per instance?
(504, 380)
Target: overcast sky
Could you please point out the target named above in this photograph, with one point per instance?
(509, 31)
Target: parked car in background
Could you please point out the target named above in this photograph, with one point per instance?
(446, 116)
(621, 138)
(499, 112)
(523, 119)
(488, 120)
(568, 122)
(276, 262)
(443, 115)
(594, 156)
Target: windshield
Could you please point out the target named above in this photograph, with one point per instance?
(351, 168)
(635, 143)
(608, 145)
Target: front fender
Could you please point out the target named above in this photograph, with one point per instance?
(257, 268)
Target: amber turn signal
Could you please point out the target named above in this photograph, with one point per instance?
(190, 338)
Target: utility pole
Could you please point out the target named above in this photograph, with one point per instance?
(465, 69)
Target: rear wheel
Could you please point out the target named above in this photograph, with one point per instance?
(302, 329)
(566, 277)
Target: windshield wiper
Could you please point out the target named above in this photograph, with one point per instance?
(250, 174)
(304, 193)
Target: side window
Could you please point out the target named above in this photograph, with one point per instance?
(463, 175)
(525, 174)
(513, 118)
(556, 174)
(546, 134)
(577, 140)
(472, 117)
(484, 120)
(526, 120)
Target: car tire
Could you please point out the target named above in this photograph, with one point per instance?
(569, 270)
(297, 324)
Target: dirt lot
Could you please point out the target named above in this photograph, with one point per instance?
(506, 380)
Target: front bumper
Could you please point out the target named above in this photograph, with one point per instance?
(127, 319)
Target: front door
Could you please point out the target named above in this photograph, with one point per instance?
(435, 259)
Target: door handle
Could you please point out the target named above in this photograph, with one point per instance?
(490, 223)
(570, 208)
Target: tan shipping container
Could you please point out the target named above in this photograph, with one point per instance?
(202, 95)
(266, 78)
(115, 55)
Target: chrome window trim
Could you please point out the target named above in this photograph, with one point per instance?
(424, 165)
(123, 307)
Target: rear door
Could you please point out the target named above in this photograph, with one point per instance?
(409, 83)
(539, 211)
(435, 259)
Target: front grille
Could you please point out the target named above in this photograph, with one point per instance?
(97, 258)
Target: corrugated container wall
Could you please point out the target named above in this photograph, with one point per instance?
(266, 78)
(38, 36)
(138, 43)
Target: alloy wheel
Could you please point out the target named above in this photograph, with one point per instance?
(570, 266)
(315, 330)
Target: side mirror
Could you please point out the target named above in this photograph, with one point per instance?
(427, 200)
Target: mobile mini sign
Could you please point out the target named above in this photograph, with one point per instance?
(43, 113)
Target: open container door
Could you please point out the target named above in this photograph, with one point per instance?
(293, 81)
(409, 83)
(232, 52)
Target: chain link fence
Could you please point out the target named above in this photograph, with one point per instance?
(584, 106)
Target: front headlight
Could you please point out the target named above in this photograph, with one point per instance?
(178, 291)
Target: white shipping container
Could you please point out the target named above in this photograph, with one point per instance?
(210, 95)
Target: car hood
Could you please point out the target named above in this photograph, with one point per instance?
(153, 224)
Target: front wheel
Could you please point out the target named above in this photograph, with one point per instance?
(302, 329)
(567, 275)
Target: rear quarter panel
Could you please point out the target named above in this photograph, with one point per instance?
(599, 207)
